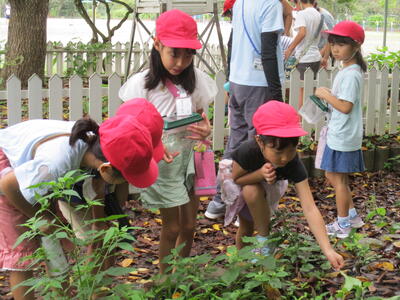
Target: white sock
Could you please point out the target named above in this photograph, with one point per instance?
(352, 213)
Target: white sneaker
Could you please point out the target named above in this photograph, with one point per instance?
(236, 223)
(335, 229)
(356, 222)
(215, 210)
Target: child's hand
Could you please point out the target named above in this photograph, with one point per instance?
(200, 131)
(322, 92)
(169, 157)
(335, 259)
(268, 172)
(287, 53)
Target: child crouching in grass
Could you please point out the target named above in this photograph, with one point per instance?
(270, 157)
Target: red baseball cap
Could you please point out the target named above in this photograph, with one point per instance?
(228, 4)
(349, 29)
(128, 147)
(177, 29)
(147, 115)
(276, 118)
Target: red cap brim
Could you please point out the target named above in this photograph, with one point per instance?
(144, 179)
(285, 132)
(189, 44)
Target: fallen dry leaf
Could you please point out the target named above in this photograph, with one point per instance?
(126, 262)
(385, 266)
(176, 295)
(216, 227)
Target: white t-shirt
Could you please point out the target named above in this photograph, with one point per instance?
(310, 19)
(162, 98)
(52, 160)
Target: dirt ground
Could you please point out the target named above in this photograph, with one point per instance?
(371, 190)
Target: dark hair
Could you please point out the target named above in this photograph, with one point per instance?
(279, 143)
(87, 130)
(337, 39)
(157, 73)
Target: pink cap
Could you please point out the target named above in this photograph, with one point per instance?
(349, 29)
(279, 119)
(128, 147)
(177, 29)
(147, 115)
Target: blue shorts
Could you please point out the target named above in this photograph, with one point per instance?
(341, 161)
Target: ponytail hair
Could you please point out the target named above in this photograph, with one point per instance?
(360, 60)
(87, 130)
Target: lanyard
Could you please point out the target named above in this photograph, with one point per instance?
(247, 33)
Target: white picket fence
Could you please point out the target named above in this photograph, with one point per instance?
(69, 101)
(60, 59)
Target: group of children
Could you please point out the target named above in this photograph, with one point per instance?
(133, 147)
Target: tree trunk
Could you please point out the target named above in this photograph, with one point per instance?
(26, 44)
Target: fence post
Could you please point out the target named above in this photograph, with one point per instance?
(55, 98)
(308, 90)
(114, 84)
(75, 98)
(383, 91)
(95, 98)
(294, 88)
(394, 100)
(49, 59)
(323, 80)
(13, 100)
(118, 68)
(370, 115)
(35, 104)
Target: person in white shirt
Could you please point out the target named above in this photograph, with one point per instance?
(305, 44)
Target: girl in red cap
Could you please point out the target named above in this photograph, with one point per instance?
(173, 84)
(342, 154)
(260, 167)
(38, 151)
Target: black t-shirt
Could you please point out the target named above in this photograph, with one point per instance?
(250, 158)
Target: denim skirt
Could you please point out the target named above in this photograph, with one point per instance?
(342, 161)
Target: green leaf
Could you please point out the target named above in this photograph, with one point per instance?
(351, 282)
(118, 271)
(126, 246)
(71, 193)
(109, 235)
(381, 211)
(230, 275)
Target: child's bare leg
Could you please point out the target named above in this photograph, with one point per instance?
(254, 195)
(188, 221)
(340, 182)
(169, 233)
(16, 277)
(246, 228)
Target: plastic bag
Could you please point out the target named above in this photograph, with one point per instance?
(311, 112)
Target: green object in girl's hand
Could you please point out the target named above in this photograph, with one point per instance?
(320, 103)
(175, 121)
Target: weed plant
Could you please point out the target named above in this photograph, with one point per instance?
(295, 271)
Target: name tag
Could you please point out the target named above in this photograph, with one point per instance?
(257, 64)
(183, 106)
